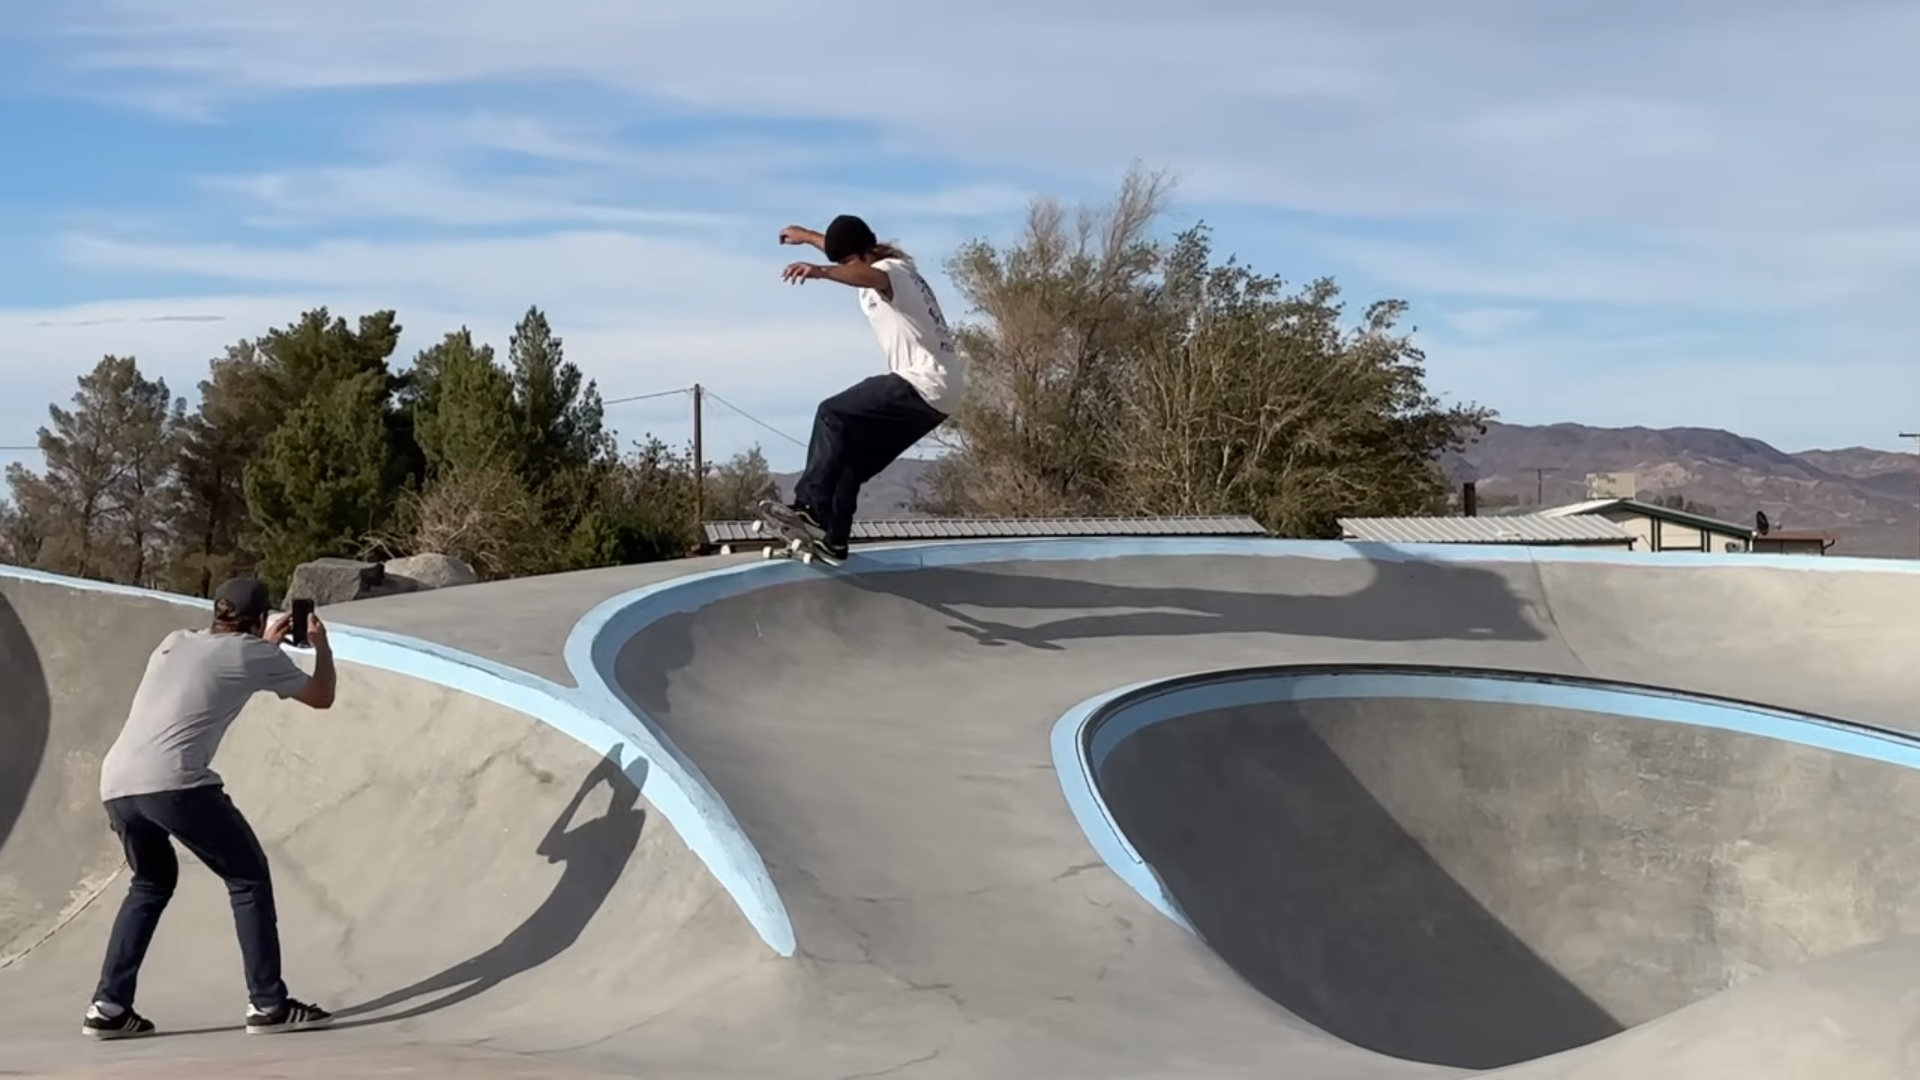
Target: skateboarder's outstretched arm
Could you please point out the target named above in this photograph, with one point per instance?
(800, 234)
(852, 269)
(858, 275)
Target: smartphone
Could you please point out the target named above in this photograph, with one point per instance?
(297, 633)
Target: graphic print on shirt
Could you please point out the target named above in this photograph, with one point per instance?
(872, 300)
(933, 309)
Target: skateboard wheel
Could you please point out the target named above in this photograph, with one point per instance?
(806, 557)
(759, 526)
(766, 553)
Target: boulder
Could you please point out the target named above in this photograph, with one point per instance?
(338, 581)
(431, 571)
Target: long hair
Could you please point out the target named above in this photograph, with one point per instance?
(892, 251)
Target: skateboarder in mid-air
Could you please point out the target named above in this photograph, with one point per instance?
(864, 428)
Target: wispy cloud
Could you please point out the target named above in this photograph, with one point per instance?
(1650, 109)
(1490, 322)
(410, 193)
(1615, 213)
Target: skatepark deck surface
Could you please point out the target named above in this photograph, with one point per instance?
(724, 818)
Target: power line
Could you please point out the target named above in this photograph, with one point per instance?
(707, 392)
(610, 401)
(648, 397)
(754, 418)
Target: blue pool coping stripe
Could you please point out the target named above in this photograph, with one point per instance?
(1087, 735)
(702, 823)
(600, 715)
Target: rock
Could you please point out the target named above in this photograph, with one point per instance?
(337, 581)
(432, 571)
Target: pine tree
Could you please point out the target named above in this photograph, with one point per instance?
(102, 507)
(559, 413)
(320, 487)
(340, 451)
(239, 407)
(462, 407)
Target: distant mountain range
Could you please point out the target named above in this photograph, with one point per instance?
(1868, 499)
(892, 494)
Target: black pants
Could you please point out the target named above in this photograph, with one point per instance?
(206, 823)
(856, 433)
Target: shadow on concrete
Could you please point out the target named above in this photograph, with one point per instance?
(646, 664)
(1304, 884)
(25, 719)
(594, 855)
(1403, 601)
(181, 1033)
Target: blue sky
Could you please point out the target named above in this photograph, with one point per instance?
(1636, 213)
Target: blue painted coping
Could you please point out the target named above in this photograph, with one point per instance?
(601, 716)
(1084, 738)
(686, 801)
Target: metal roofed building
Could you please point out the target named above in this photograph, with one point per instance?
(725, 536)
(1793, 541)
(1661, 528)
(1530, 530)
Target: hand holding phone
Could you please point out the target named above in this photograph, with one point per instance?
(302, 614)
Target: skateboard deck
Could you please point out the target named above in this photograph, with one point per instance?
(797, 543)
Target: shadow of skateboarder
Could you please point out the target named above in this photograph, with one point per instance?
(594, 854)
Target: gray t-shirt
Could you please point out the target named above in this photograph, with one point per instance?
(196, 684)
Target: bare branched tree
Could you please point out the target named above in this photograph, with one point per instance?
(1057, 315)
(482, 514)
(1114, 373)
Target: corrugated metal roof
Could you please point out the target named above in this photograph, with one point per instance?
(931, 528)
(1587, 506)
(1537, 529)
(1665, 513)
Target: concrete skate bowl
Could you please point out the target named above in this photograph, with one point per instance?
(23, 723)
(876, 731)
(885, 747)
(461, 882)
(1480, 868)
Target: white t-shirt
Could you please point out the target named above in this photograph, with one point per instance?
(914, 335)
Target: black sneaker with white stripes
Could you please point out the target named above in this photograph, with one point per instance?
(796, 517)
(290, 1015)
(123, 1024)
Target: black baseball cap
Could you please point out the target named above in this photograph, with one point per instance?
(241, 599)
(847, 235)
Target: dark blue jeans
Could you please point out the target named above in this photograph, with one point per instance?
(857, 433)
(206, 823)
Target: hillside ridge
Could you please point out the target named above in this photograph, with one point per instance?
(1868, 498)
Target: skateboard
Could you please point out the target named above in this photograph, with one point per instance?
(797, 542)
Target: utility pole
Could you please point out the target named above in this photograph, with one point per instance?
(1539, 483)
(699, 462)
(1915, 436)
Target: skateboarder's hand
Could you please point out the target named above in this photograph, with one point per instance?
(796, 273)
(796, 234)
